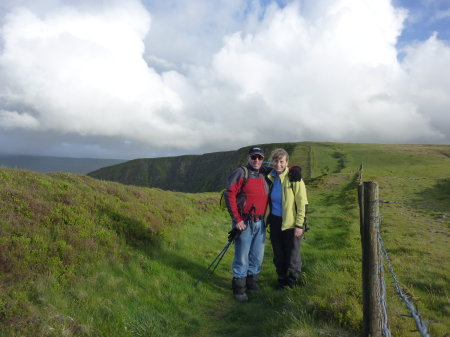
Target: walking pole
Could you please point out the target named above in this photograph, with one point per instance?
(221, 254)
(212, 272)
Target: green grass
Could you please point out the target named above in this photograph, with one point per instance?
(82, 257)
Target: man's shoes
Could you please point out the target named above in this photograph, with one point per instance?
(252, 283)
(239, 286)
(241, 297)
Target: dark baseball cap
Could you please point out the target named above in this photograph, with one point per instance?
(256, 150)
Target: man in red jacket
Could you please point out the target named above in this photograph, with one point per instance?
(246, 198)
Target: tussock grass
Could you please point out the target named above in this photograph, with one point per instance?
(82, 257)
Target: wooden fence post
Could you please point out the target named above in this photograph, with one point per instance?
(369, 243)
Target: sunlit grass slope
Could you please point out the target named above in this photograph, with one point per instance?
(83, 257)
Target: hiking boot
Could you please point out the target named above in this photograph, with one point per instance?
(239, 287)
(281, 285)
(252, 283)
(241, 297)
(291, 281)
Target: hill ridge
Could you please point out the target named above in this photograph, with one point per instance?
(208, 172)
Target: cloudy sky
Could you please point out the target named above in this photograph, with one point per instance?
(129, 78)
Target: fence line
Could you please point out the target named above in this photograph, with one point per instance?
(360, 175)
(383, 302)
(375, 313)
(311, 162)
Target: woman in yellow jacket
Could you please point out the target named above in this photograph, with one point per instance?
(285, 216)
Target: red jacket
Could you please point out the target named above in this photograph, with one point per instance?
(240, 200)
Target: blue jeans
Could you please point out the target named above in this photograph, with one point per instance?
(249, 250)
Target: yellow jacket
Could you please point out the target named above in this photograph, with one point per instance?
(293, 200)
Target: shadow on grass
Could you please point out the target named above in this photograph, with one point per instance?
(346, 197)
(275, 313)
(269, 312)
(437, 196)
(335, 231)
(148, 240)
(228, 319)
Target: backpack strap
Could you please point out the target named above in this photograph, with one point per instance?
(222, 201)
(293, 192)
(245, 176)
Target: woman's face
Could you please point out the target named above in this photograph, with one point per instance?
(279, 164)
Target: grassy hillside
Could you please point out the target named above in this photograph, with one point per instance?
(83, 257)
(208, 172)
(194, 173)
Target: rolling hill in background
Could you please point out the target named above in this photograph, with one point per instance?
(45, 164)
(208, 172)
(192, 173)
(86, 257)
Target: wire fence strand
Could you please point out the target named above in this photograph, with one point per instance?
(381, 286)
(420, 324)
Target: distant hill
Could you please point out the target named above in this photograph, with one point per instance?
(192, 173)
(46, 164)
(208, 172)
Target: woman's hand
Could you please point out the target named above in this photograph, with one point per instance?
(298, 232)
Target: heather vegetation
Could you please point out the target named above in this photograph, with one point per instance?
(85, 257)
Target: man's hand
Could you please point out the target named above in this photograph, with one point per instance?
(241, 225)
(234, 234)
(295, 173)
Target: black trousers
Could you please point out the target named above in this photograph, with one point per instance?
(286, 250)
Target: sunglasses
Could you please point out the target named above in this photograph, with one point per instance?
(256, 156)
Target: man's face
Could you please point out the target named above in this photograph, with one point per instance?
(255, 160)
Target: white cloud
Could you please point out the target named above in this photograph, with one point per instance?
(428, 67)
(14, 119)
(187, 76)
(84, 71)
(336, 78)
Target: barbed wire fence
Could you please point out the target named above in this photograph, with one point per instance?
(375, 309)
(382, 292)
(420, 324)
